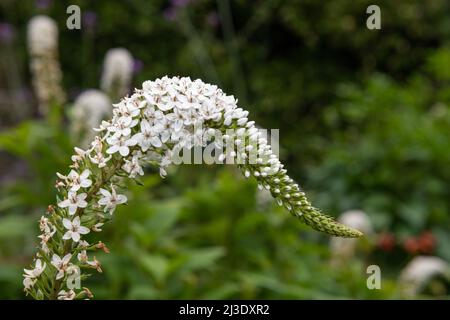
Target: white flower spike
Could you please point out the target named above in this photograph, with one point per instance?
(152, 126)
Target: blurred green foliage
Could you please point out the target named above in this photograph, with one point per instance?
(364, 123)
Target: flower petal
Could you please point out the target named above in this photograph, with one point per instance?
(83, 230)
(67, 235)
(75, 236)
(67, 223)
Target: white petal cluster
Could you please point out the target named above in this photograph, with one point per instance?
(117, 72)
(169, 114)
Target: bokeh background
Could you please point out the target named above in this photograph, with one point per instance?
(364, 119)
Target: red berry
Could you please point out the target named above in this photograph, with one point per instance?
(411, 245)
(386, 241)
(427, 242)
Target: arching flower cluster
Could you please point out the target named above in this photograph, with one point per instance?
(148, 127)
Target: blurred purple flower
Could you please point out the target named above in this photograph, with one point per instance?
(24, 95)
(138, 65)
(89, 19)
(213, 19)
(43, 4)
(170, 14)
(179, 3)
(6, 32)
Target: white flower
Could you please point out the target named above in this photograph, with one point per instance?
(128, 108)
(133, 168)
(45, 237)
(83, 244)
(44, 225)
(122, 126)
(80, 154)
(166, 160)
(99, 159)
(69, 295)
(28, 283)
(77, 181)
(74, 229)
(153, 115)
(120, 144)
(95, 264)
(31, 275)
(82, 256)
(97, 227)
(73, 202)
(148, 136)
(61, 264)
(111, 199)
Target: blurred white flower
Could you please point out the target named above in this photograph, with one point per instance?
(117, 73)
(89, 109)
(74, 229)
(419, 271)
(356, 219)
(73, 202)
(42, 36)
